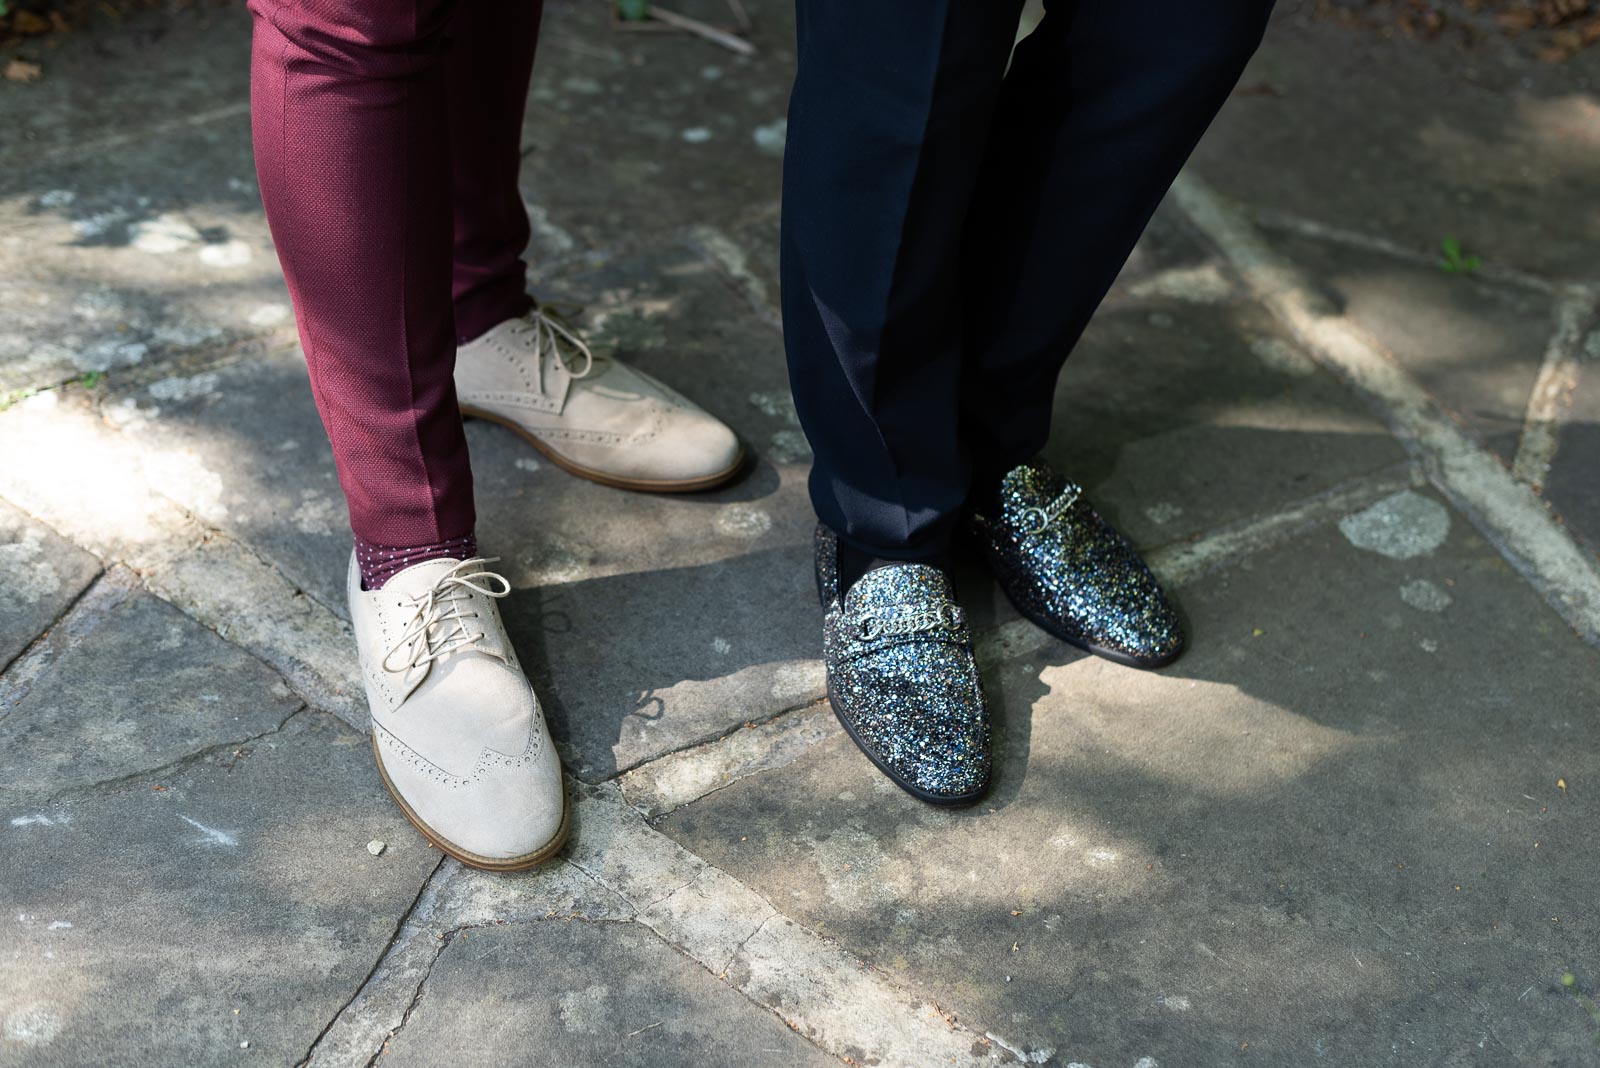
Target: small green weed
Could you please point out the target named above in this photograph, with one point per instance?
(88, 380)
(1453, 260)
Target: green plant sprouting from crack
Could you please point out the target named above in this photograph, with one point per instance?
(88, 380)
(1453, 259)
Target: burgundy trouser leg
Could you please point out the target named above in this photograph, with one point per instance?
(487, 74)
(358, 108)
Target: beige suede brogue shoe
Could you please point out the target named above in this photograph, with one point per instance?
(589, 413)
(457, 732)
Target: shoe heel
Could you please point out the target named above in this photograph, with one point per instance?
(827, 566)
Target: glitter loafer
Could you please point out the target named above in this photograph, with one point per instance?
(1070, 572)
(902, 679)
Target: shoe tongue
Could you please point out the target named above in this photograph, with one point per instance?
(898, 584)
(419, 578)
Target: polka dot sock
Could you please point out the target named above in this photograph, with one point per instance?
(380, 563)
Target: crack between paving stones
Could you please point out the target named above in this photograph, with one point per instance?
(443, 940)
(722, 977)
(361, 987)
(113, 585)
(442, 943)
(701, 743)
(738, 949)
(39, 640)
(774, 914)
(180, 764)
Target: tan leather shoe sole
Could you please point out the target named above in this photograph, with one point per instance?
(473, 860)
(644, 485)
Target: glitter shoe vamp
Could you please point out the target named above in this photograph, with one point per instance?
(902, 675)
(1078, 577)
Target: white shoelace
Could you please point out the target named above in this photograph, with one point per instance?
(549, 329)
(438, 624)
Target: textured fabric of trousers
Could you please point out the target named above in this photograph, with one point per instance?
(387, 145)
(949, 226)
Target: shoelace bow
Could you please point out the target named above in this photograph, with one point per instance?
(550, 330)
(1044, 518)
(438, 623)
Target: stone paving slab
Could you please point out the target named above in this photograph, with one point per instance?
(1140, 884)
(231, 900)
(42, 573)
(124, 262)
(113, 257)
(1475, 345)
(581, 992)
(665, 131)
(1256, 424)
(145, 688)
(120, 78)
(1410, 141)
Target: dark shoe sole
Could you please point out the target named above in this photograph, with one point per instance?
(943, 800)
(640, 485)
(1116, 656)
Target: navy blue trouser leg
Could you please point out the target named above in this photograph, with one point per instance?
(949, 227)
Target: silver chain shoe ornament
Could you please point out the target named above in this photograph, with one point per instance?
(902, 678)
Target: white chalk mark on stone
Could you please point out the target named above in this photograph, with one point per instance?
(205, 384)
(1204, 284)
(31, 821)
(732, 258)
(1282, 356)
(1163, 513)
(164, 234)
(742, 521)
(1551, 396)
(720, 646)
(696, 135)
(771, 137)
(1424, 596)
(210, 836)
(1400, 527)
(551, 237)
(33, 1025)
(527, 464)
(267, 314)
(1026, 1056)
(317, 513)
(60, 925)
(233, 253)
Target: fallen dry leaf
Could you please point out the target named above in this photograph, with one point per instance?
(28, 24)
(20, 70)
